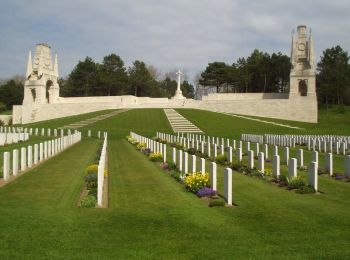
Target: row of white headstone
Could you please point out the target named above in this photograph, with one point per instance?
(186, 165)
(27, 157)
(101, 170)
(211, 149)
(43, 131)
(13, 138)
(321, 143)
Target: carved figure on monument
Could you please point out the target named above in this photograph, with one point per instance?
(41, 85)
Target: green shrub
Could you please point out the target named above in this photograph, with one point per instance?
(191, 151)
(216, 202)
(236, 166)
(177, 176)
(221, 159)
(2, 123)
(91, 177)
(305, 190)
(295, 182)
(283, 178)
(88, 202)
(172, 166)
(93, 192)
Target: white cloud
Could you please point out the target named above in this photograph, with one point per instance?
(167, 34)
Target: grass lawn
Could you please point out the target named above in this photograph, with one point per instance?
(150, 215)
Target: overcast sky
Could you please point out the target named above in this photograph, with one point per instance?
(167, 34)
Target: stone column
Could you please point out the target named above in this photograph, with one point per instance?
(329, 163)
(15, 162)
(250, 159)
(228, 186)
(212, 176)
(209, 152)
(215, 151)
(313, 175)
(276, 166)
(292, 167)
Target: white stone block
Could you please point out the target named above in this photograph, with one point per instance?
(261, 162)
(202, 165)
(313, 175)
(329, 163)
(250, 154)
(164, 152)
(275, 150)
(15, 162)
(276, 166)
(228, 186)
(180, 161)
(174, 155)
(185, 162)
(347, 165)
(314, 157)
(266, 151)
(23, 159)
(292, 167)
(213, 175)
(239, 154)
(194, 163)
(300, 157)
(36, 153)
(230, 154)
(6, 165)
(30, 156)
(41, 152)
(286, 154)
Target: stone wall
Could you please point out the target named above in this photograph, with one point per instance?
(295, 108)
(5, 118)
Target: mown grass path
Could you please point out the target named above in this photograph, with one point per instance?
(151, 216)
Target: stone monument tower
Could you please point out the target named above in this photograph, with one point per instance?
(302, 74)
(41, 85)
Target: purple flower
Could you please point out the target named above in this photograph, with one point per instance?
(205, 192)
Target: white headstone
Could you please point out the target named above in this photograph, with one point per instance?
(313, 175)
(228, 186)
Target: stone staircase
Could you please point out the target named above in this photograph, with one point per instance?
(92, 120)
(180, 123)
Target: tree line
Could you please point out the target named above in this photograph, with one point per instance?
(112, 78)
(262, 72)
